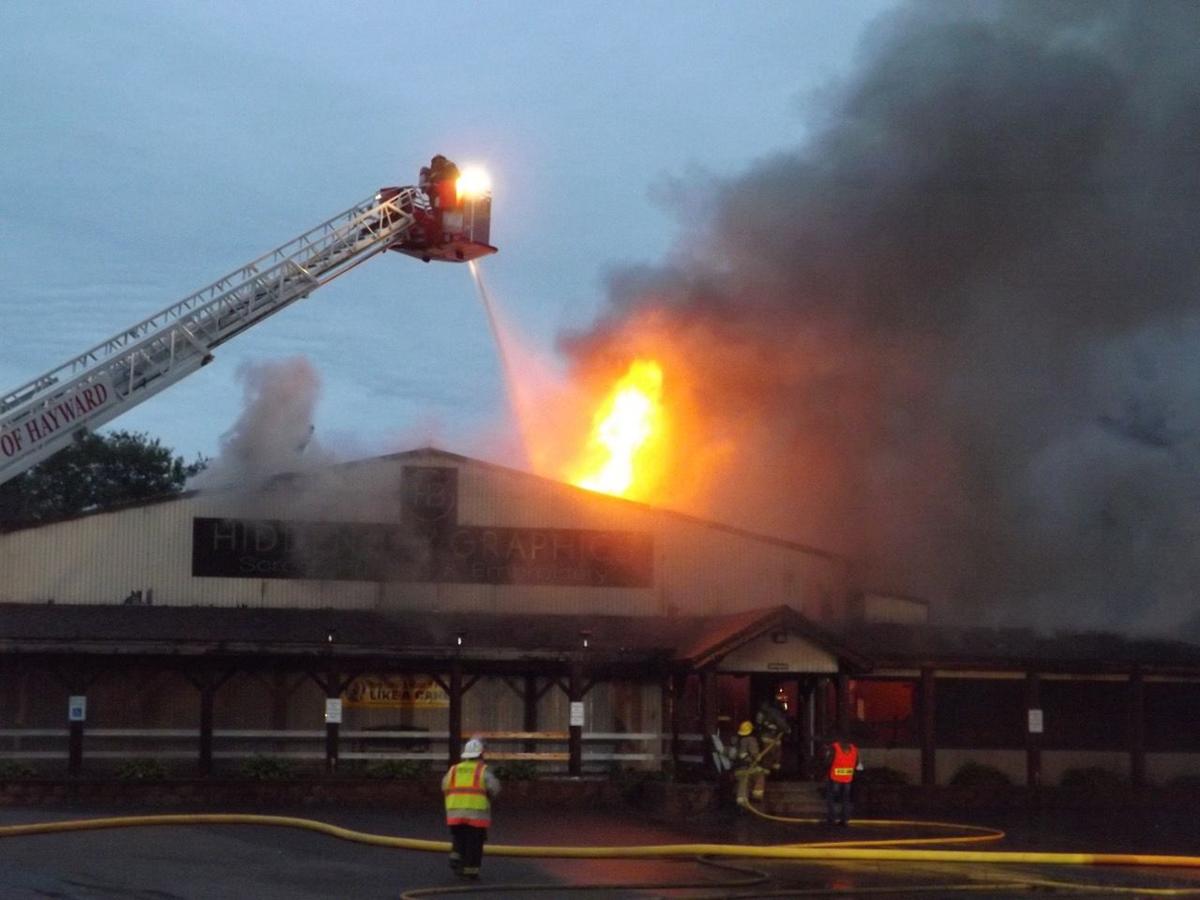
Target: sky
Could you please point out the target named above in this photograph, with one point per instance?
(151, 147)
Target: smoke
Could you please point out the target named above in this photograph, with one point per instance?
(953, 332)
(273, 433)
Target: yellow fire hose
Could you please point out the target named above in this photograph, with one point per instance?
(837, 850)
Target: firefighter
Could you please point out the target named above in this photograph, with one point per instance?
(844, 763)
(772, 723)
(748, 771)
(442, 183)
(469, 788)
(439, 180)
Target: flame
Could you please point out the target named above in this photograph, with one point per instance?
(625, 431)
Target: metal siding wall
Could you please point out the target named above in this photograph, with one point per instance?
(699, 569)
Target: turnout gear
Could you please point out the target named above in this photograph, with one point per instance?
(469, 787)
(749, 775)
(467, 801)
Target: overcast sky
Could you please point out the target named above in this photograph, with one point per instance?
(151, 147)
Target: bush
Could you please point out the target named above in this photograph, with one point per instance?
(1184, 783)
(11, 770)
(268, 768)
(1093, 779)
(632, 782)
(141, 770)
(399, 769)
(517, 770)
(973, 774)
(882, 775)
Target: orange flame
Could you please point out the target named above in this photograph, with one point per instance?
(626, 430)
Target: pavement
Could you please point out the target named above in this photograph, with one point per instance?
(207, 862)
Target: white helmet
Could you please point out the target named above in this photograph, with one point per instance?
(473, 750)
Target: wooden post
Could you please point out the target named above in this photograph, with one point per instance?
(207, 696)
(674, 688)
(75, 740)
(333, 690)
(928, 748)
(575, 732)
(455, 725)
(332, 731)
(1033, 740)
(530, 721)
(708, 702)
(821, 698)
(843, 703)
(1137, 727)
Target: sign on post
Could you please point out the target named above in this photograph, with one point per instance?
(77, 708)
(333, 711)
(576, 714)
(1035, 721)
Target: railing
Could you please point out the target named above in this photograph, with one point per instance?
(601, 750)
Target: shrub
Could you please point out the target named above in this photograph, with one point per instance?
(11, 770)
(1184, 783)
(399, 769)
(1094, 779)
(632, 782)
(141, 770)
(268, 768)
(882, 775)
(973, 774)
(517, 770)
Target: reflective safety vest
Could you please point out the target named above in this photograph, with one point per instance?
(841, 769)
(466, 795)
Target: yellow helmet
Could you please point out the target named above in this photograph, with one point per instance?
(745, 728)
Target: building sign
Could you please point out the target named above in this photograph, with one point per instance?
(559, 556)
(330, 551)
(45, 422)
(427, 545)
(397, 692)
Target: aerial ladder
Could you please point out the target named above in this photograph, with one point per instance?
(44, 415)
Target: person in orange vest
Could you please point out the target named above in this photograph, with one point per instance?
(844, 763)
(469, 788)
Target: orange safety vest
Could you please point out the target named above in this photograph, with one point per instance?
(841, 769)
(467, 800)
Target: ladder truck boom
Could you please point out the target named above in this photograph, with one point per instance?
(45, 414)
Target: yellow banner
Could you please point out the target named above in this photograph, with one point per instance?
(399, 692)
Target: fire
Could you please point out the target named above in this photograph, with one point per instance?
(626, 430)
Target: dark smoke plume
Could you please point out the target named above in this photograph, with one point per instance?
(954, 333)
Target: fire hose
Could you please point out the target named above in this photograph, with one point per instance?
(886, 850)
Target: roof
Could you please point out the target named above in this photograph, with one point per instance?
(693, 642)
(911, 645)
(459, 460)
(669, 640)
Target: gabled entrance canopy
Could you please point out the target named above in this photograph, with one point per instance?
(776, 639)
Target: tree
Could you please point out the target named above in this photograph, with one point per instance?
(95, 472)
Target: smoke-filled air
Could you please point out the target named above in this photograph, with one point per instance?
(953, 332)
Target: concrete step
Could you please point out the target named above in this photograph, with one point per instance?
(801, 799)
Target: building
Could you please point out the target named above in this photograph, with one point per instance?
(388, 609)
